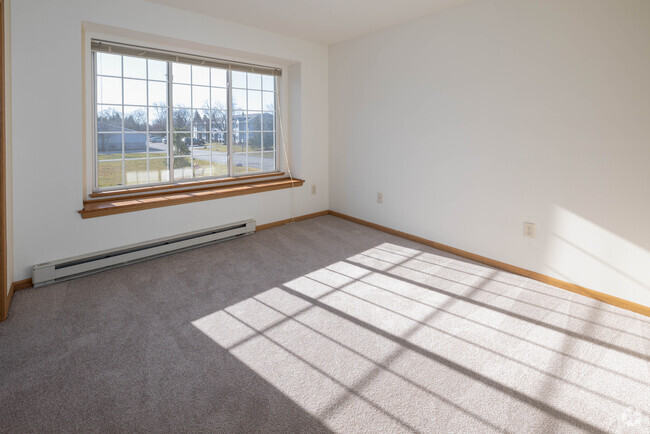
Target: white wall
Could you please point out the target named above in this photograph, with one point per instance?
(478, 118)
(48, 127)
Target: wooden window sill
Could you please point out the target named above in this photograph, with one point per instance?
(157, 199)
(179, 185)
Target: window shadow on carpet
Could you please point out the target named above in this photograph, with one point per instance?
(394, 338)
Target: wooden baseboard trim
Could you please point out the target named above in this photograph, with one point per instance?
(295, 219)
(16, 286)
(22, 284)
(5, 311)
(27, 283)
(606, 298)
(10, 296)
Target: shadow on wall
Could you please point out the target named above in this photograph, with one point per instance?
(395, 339)
(579, 251)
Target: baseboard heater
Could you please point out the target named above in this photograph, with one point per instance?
(70, 268)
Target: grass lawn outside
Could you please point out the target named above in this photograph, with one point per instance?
(135, 166)
(222, 147)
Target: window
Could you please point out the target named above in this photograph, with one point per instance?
(167, 118)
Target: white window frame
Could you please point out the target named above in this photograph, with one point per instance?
(90, 117)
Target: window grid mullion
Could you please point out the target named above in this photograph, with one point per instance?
(170, 121)
(229, 122)
(96, 128)
(123, 137)
(210, 167)
(191, 124)
(276, 123)
(146, 74)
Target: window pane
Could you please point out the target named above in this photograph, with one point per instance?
(182, 168)
(254, 100)
(158, 170)
(135, 146)
(239, 163)
(238, 121)
(157, 144)
(254, 121)
(200, 97)
(135, 67)
(182, 119)
(268, 141)
(157, 119)
(268, 101)
(219, 134)
(268, 122)
(201, 125)
(109, 173)
(157, 93)
(219, 146)
(254, 142)
(239, 79)
(135, 92)
(254, 162)
(268, 161)
(182, 95)
(219, 120)
(202, 163)
(157, 70)
(201, 75)
(268, 82)
(238, 99)
(181, 73)
(218, 143)
(109, 90)
(109, 146)
(182, 144)
(219, 98)
(109, 64)
(135, 119)
(109, 118)
(254, 81)
(219, 164)
(218, 77)
(239, 140)
(135, 172)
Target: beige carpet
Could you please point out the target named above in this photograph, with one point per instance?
(322, 325)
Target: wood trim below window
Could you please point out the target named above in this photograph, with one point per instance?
(291, 220)
(109, 206)
(180, 185)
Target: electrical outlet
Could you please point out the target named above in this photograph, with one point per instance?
(380, 197)
(313, 189)
(529, 230)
